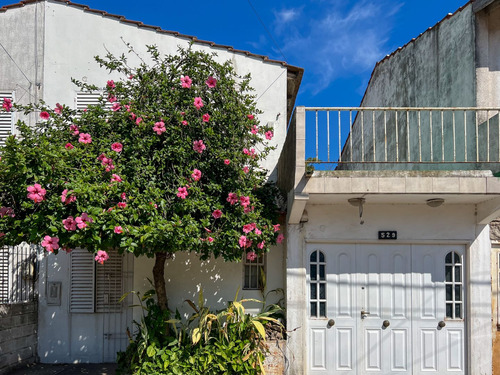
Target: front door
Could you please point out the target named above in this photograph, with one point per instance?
(387, 309)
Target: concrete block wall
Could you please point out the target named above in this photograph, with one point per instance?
(18, 335)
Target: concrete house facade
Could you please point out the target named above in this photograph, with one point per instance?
(79, 319)
(388, 247)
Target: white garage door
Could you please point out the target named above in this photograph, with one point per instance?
(387, 309)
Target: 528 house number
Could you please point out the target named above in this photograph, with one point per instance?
(387, 235)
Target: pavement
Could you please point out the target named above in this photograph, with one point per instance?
(66, 369)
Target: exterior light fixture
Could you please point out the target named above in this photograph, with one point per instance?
(434, 202)
(358, 202)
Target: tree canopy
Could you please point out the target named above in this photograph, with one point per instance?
(169, 160)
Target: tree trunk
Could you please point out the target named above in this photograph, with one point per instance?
(159, 279)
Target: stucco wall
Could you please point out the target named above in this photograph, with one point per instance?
(18, 335)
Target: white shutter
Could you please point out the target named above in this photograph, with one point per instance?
(82, 282)
(84, 99)
(109, 288)
(5, 119)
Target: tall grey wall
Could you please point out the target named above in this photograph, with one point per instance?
(18, 335)
(437, 69)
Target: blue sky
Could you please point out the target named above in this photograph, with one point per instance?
(337, 42)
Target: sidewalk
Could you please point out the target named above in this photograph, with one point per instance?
(66, 369)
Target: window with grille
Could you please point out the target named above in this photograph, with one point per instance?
(6, 119)
(317, 284)
(95, 287)
(18, 272)
(253, 270)
(454, 286)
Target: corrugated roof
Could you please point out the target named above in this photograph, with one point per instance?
(158, 29)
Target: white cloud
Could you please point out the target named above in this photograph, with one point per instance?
(335, 41)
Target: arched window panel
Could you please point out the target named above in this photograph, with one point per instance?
(454, 286)
(317, 284)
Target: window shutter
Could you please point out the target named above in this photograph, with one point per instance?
(5, 119)
(82, 282)
(84, 99)
(109, 288)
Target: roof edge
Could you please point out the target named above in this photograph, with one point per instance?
(158, 29)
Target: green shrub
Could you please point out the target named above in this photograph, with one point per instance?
(229, 341)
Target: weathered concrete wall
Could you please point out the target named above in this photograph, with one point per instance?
(18, 335)
(435, 70)
(21, 62)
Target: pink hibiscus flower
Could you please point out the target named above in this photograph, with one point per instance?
(244, 201)
(122, 205)
(186, 82)
(123, 196)
(138, 121)
(232, 198)
(269, 135)
(81, 221)
(7, 211)
(257, 230)
(198, 103)
(196, 175)
(217, 214)
(276, 227)
(255, 129)
(101, 256)
(74, 129)
(247, 228)
(198, 146)
(44, 115)
(58, 109)
(7, 104)
(50, 243)
(118, 229)
(117, 147)
(260, 245)
(69, 146)
(251, 256)
(69, 223)
(65, 199)
(211, 82)
(85, 138)
(210, 239)
(227, 161)
(280, 238)
(112, 98)
(36, 193)
(182, 192)
(206, 117)
(246, 169)
(184, 122)
(159, 127)
(116, 106)
(111, 84)
(116, 178)
(250, 117)
(244, 242)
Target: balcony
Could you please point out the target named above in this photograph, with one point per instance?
(391, 155)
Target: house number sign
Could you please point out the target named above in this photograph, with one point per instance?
(387, 235)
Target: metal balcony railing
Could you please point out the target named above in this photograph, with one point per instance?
(400, 138)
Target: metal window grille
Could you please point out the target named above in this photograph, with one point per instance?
(18, 273)
(253, 269)
(6, 123)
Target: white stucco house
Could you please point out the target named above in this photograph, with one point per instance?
(43, 48)
(386, 266)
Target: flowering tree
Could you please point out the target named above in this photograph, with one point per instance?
(168, 161)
